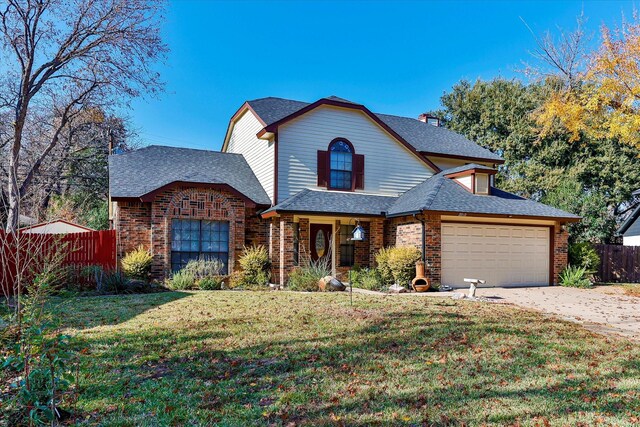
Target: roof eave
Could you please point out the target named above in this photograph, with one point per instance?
(499, 161)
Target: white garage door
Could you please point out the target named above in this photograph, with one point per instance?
(503, 255)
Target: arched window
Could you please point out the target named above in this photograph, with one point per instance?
(341, 165)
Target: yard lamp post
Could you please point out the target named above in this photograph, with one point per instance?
(357, 235)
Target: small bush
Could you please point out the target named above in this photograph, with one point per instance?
(182, 281)
(584, 255)
(202, 268)
(254, 260)
(367, 278)
(137, 264)
(303, 279)
(402, 262)
(575, 277)
(255, 272)
(210, 283)
(382, 259)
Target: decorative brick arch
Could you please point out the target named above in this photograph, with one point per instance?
(197, 204)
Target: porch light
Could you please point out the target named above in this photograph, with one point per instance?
(358, 233)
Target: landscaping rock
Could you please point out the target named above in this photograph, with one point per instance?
(336, 285)
(397, 289)
(331, 284)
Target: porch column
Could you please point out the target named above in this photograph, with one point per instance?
(376, 239)
(274, 249)
(286, 247)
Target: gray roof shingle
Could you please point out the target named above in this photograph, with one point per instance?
(422, 136)
(439, 193)
(631, 226)
(335, 202)
(142, 171)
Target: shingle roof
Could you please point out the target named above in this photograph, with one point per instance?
(631, 226)
(422, 136)
(439, 193)
(436, 139)
(335, 202)
(142, 171)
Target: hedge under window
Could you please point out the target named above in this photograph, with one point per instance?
(193, 239)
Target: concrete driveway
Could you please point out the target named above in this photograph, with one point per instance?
(603, 309)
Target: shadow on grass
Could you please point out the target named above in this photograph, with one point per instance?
(442, 368)
(88, 312)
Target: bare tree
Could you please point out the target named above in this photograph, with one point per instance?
(561, 57)
(62, 58)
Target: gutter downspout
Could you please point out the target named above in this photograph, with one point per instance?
(424, 245)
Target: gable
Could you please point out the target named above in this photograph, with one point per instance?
(390, 167)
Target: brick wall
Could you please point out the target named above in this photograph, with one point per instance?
(407, 231)
(560, 252)
(149, 224)
(433, 246)
(256, 230)
(133, 225)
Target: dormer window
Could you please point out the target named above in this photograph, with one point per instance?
(482, 183)
(340, 168)
(341, 164)
(474, 178)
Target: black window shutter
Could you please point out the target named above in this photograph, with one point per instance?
(323, 168)
(358, 171)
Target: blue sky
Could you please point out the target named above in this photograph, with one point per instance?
(395, 57)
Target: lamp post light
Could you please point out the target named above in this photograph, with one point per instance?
(358, 235)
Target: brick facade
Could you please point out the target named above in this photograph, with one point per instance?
(149, 225)
(560, 251)
(133, 225)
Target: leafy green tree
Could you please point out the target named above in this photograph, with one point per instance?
(498, 115)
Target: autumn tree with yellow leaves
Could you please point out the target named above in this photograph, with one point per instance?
(596, 93)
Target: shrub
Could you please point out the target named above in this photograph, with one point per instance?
(255, 260)
(382, 259)
(367, 278)
(182, 281)
(402, 262)
(574, 277)
(202, 268)
(210, 283)
(584, 255)
(137, 264)
(303, 279)
(255, 272)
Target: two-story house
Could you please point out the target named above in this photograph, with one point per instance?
(297, 177)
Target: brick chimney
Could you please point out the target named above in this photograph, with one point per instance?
(429, 119)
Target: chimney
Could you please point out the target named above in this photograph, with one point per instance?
(429, 119)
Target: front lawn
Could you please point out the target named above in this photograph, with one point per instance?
(283, 358)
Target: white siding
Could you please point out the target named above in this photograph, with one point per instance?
(258, 153)
(465, 180)
(631, 240)
(390, 168)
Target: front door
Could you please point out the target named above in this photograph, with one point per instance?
(320, 240)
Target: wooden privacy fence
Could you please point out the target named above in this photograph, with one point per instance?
(618, 263)
(28, 253)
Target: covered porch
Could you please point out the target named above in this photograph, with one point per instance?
(319, 224)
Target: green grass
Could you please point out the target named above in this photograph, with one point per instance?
(283, 358)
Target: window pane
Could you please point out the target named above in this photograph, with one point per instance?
(193, 239)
